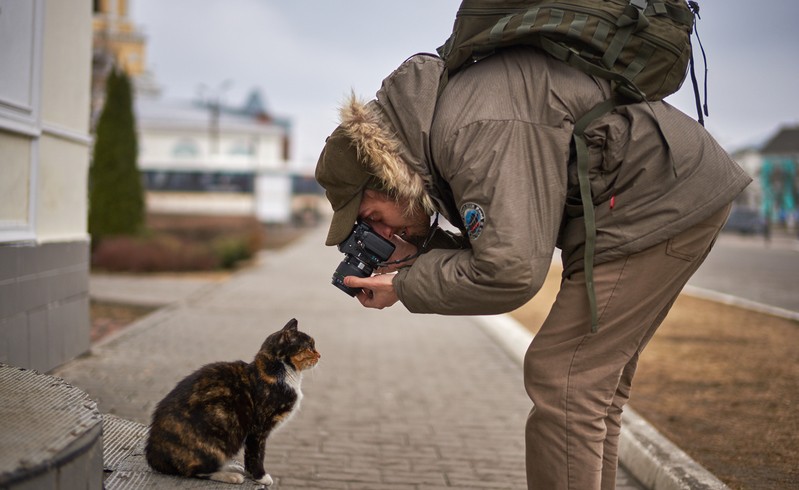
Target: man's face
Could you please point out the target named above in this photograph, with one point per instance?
(387, 217)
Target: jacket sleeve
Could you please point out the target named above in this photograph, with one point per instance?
(513, 175)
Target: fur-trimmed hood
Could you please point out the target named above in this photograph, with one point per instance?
(391, 133)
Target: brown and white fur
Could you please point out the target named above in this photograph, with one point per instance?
(206, 419)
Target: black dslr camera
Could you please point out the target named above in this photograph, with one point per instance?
(364, 250)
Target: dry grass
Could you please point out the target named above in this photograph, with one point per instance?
(722, 383)
(108, 318)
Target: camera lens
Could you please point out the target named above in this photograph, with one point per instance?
(363, 251)
(350, 266)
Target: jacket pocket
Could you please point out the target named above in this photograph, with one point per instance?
(692, 243)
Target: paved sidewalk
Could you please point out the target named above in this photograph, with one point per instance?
(398, 401)
(149, 289)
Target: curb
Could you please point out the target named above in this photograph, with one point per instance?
(651, 458)
(729, 299)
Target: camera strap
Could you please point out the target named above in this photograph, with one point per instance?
(422, 248)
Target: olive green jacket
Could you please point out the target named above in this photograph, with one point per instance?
(499, 137)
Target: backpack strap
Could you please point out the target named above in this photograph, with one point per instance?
(581, 150)
(679, 15)
(631, 20)
(701, 109)
(622, 82)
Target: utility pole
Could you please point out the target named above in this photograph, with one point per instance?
(214, 103)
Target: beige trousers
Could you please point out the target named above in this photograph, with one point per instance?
(580, 381)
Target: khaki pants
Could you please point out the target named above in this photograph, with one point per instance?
(579, 381)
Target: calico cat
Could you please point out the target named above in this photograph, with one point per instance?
(203, 422)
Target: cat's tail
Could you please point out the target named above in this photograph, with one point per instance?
(170, 457)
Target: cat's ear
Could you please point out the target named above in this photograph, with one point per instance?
(291, 325)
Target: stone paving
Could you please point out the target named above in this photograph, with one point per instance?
(398, 401)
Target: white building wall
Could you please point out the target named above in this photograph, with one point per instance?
(207, 203)
(20, 129)
(66, 68)
(62, 197)
(240, 146)
(157, 149)
(44, 154)
(270, 153)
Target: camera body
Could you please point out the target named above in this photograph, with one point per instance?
(363, 251)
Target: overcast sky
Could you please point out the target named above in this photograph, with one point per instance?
(306, 55)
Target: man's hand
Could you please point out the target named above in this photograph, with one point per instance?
(376, 291)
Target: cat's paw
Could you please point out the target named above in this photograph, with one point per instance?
(265, 480)
(225, 477)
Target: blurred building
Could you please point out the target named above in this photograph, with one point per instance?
(779, 178)
(750, 159)
(44, 159)
(116, 41)
(207, 158)
(198, 157)
(770, 202)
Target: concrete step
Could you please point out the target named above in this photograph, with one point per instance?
(50, 433)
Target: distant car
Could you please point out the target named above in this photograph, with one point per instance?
(746, 221)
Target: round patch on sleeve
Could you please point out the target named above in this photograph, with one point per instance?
(473, 218)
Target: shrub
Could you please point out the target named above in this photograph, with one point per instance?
(154, 253)
(230, 250)
(232, 238)
(182, 243)
(116, 198)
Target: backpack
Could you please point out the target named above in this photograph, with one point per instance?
(642, 46)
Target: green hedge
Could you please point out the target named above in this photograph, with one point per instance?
(116, 198)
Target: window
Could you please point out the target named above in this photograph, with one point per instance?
(235, 182)
(186, 148)
(242, 147)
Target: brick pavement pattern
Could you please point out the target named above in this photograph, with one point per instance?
(398, 401)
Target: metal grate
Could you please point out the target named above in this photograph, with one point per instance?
(44, 422)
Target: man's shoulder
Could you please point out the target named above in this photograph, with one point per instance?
(420, 65)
